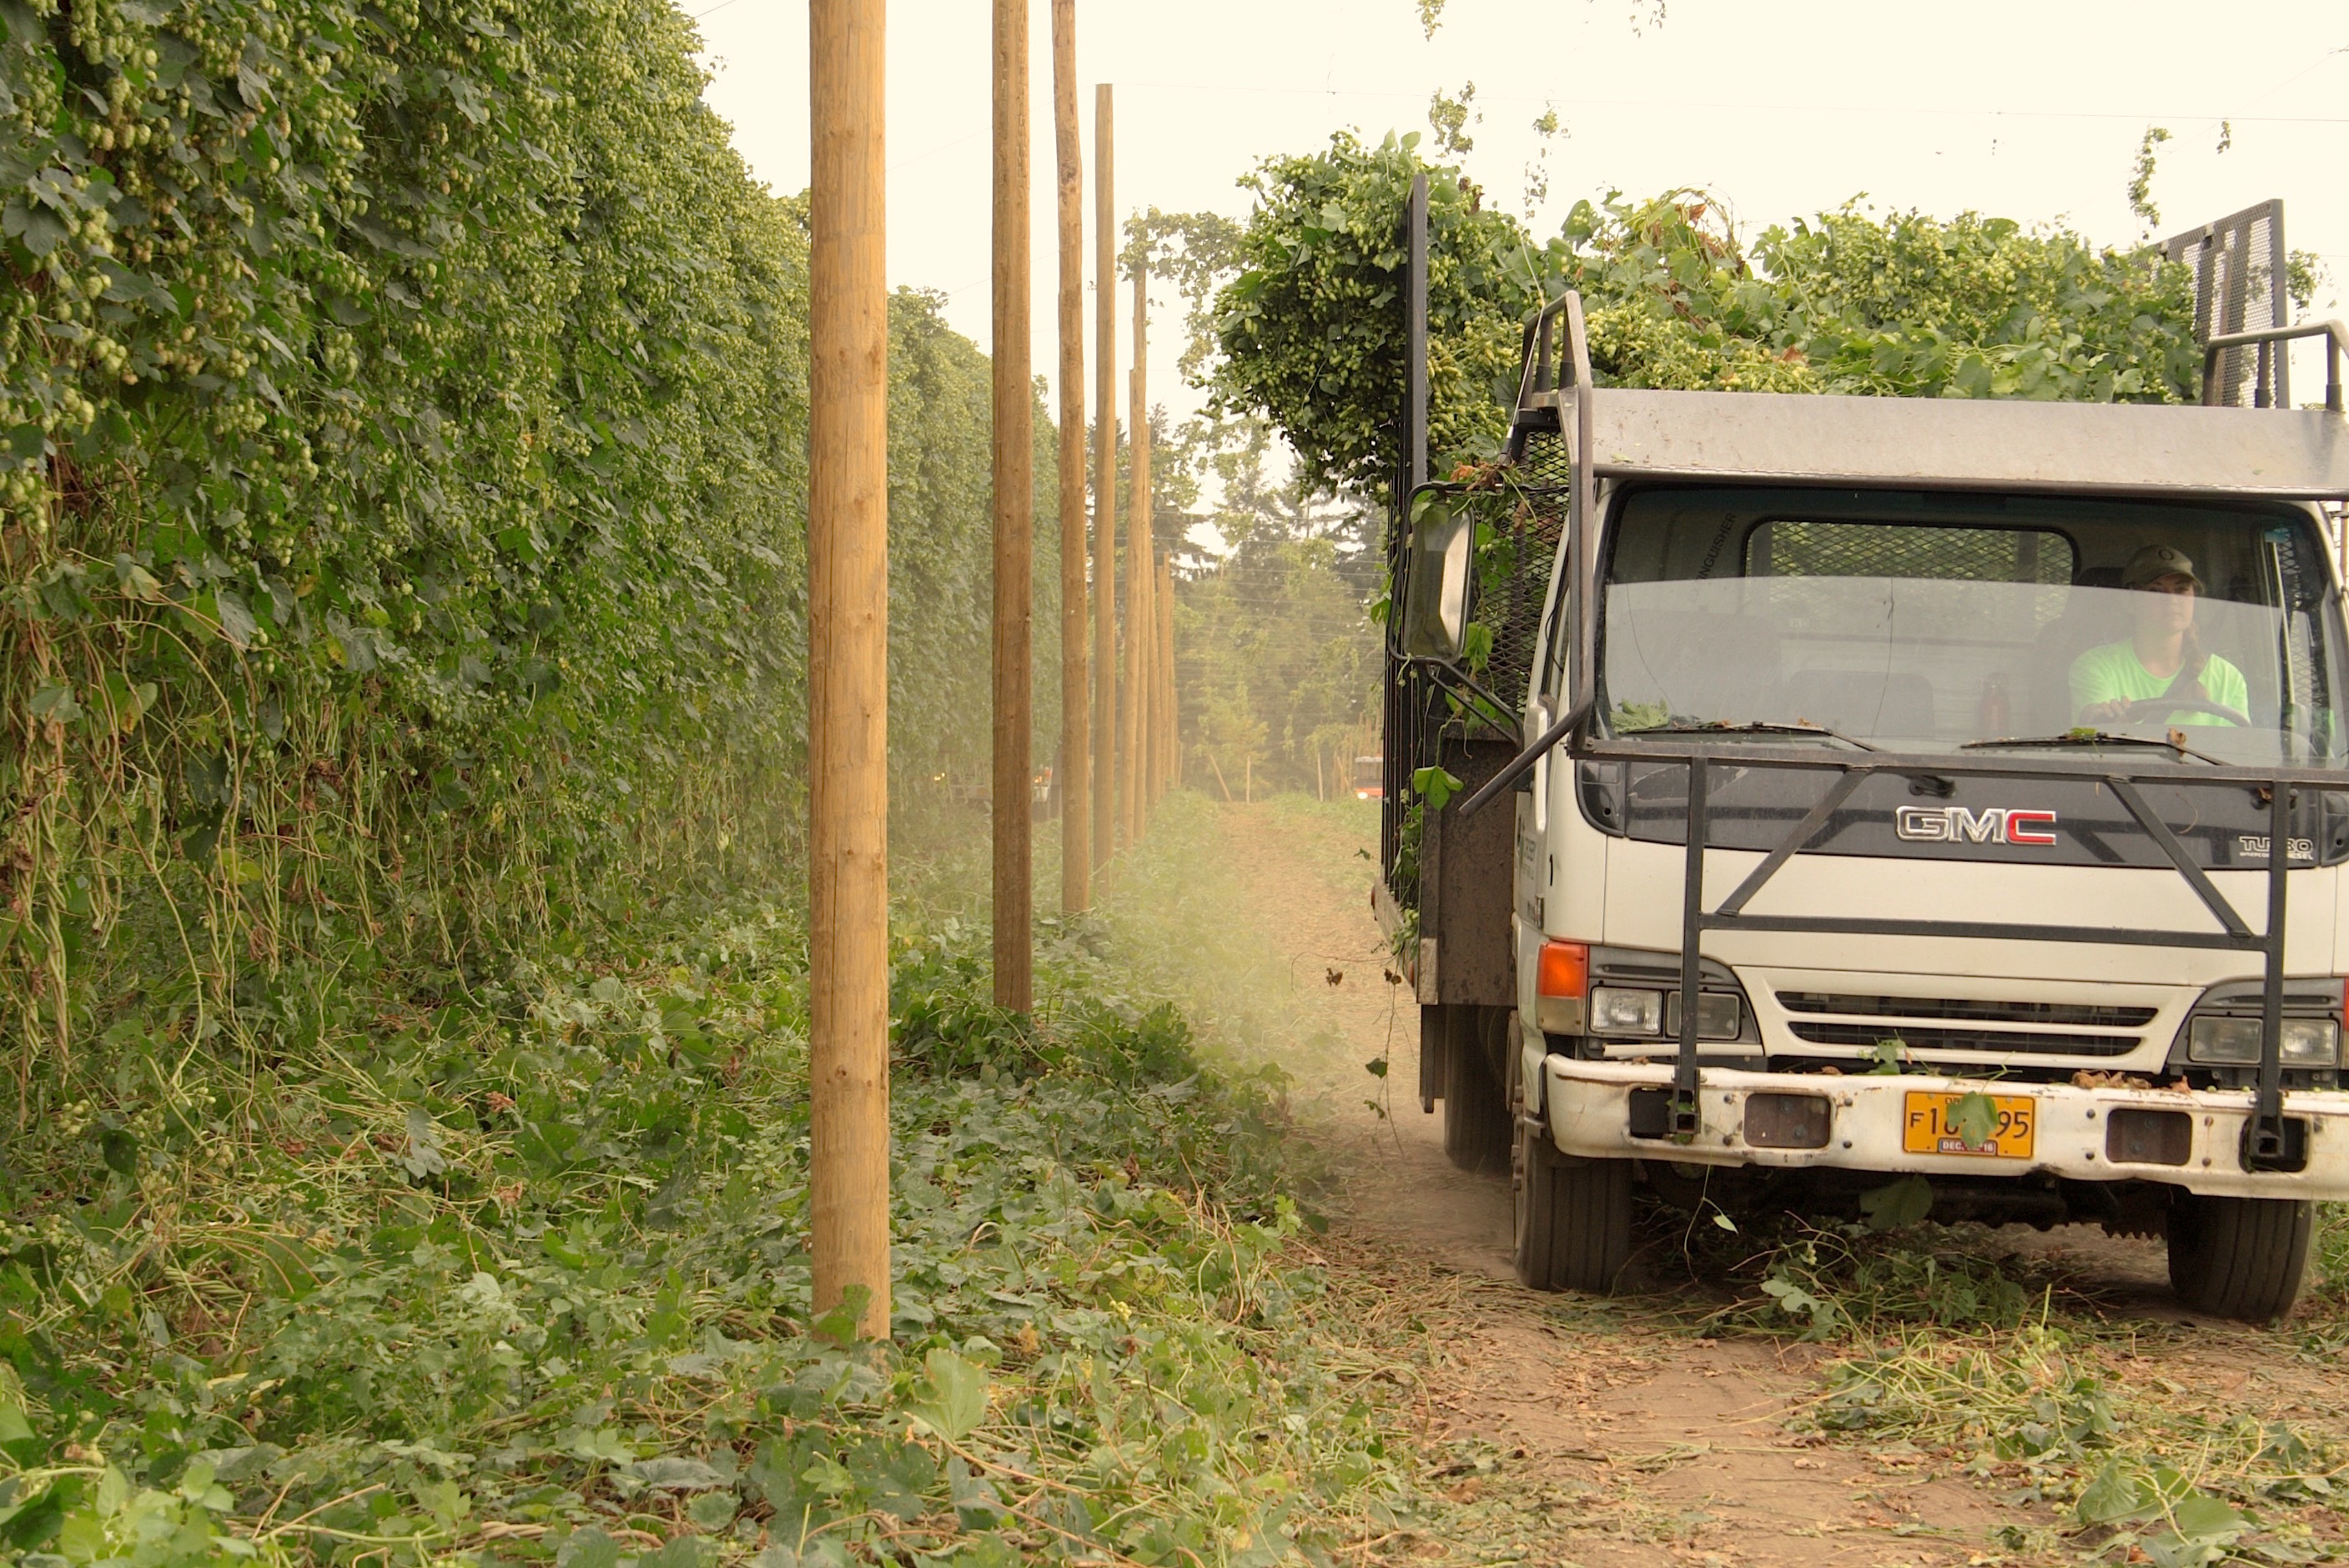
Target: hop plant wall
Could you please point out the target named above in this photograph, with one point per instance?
(402, 449)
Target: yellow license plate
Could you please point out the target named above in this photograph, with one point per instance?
(1939, 1123)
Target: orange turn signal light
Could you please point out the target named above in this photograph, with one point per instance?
(1563, 970)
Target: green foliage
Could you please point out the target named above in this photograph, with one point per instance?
(404, 481)
(1279, 665)
(2004, 1364)
(581, 1334)
(402, 444)
(941, 552)
(2140, 185)
(1435, 786)
(1449, 116)
(1310, 329)
(1901, 304)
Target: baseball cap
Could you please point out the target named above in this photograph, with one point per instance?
(2157, 560)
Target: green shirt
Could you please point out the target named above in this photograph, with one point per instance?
(2113, 671)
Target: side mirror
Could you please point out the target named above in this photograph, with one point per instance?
(1436, 587)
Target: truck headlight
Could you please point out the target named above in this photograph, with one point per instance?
(1717, 1015)
(2235, 1042)
(1616, 1010)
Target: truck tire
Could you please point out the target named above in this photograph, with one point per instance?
(1573, 1216)
(2237, 1257)
(1475, 1099)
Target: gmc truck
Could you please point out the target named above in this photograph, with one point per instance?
(1847, 790)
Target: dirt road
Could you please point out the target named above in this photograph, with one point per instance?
(1599, 1432)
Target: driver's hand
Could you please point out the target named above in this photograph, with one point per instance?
(2100, 712)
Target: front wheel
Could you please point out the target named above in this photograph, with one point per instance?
(1573, 1216)
(2237, 1257)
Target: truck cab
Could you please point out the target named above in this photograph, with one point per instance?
(1906, 802)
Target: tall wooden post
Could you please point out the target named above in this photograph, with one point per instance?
(1171, 754)
(1137, 554)
(848, 666)
(1015, 505)
(1145, 686)
(1104, 482)
(1148, 627)
(1076, 729)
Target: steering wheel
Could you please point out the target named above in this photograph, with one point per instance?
(2154, 709)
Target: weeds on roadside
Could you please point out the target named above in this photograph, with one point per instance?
(2012, 1369)
(520, 1273)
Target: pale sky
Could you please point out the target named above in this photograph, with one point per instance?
(2028, 110)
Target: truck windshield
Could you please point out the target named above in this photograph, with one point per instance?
(1928, 622)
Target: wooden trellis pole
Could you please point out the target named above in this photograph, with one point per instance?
(1145, 631)
(1076, 730)
(1137, 555)
(1171, 755)
(848, 666)
(1015, 502)
(1104, 480)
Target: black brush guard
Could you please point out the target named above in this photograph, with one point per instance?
(2265, 1149)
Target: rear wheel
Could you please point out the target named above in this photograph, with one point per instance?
(2237, 1257)
(1476, 1104)
(1573, 1216)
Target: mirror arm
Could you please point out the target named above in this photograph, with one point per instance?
(1445, 669)
(1524, 759)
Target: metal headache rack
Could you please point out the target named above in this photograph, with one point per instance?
(2238, 265)
(1569, 436)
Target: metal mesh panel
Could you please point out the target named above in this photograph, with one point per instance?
(1418, 713)
(2239, 287)
(1534, 527)
(1793, 548)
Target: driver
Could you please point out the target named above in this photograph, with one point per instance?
(2162, 657)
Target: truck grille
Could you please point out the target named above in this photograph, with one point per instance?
(1965, 1023)
(1967, 1009)
(2005, 1042)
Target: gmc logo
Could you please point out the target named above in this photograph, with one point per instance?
(1956, 825)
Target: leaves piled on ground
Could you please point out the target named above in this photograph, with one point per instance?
(525, 1277)
(2006, 1365)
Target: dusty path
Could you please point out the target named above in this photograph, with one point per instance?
(1651, 1445)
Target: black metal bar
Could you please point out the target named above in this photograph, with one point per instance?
(1982, 930)
(2267, 1117)
(1443, 673)
(2334, 333)
(1693, 919)
(1796, 842)
(1499, 783)
(2279, 294)
(2159, 831)
(1417, 325)
(1533, 377)
(1584, 555)
(1761, 751)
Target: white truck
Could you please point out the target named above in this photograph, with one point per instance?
(1902, 788)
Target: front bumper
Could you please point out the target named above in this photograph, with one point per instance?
(1589, 1113)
